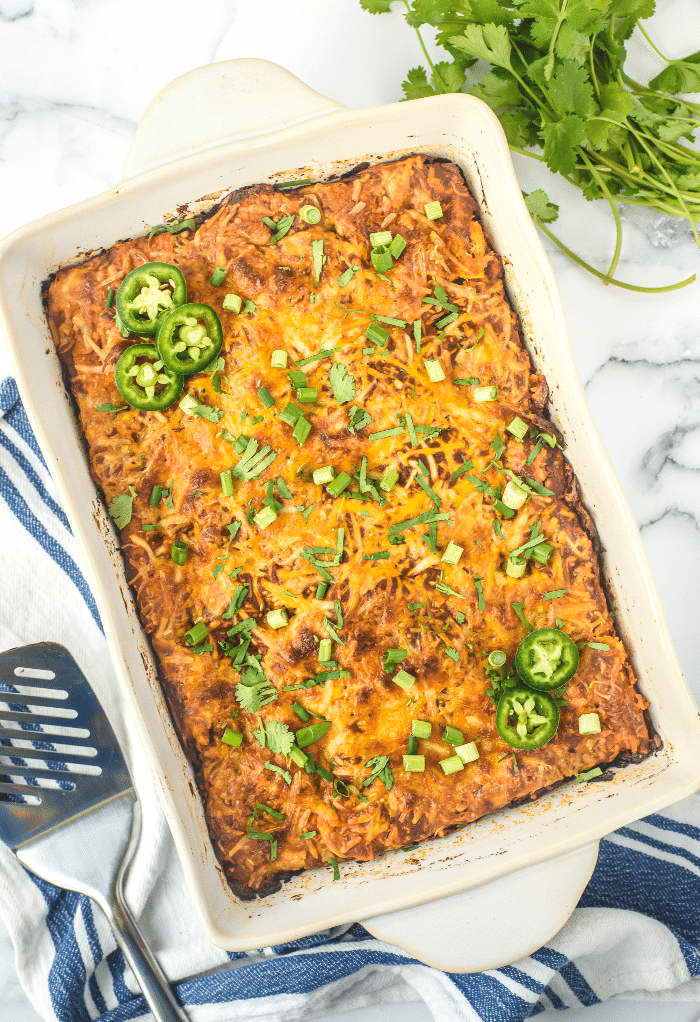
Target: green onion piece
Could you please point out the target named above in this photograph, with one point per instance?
(277, 618)
(278, 359)
(307, 395)
(321, 590)
(452, 553)
(178, 551)
(514, 496)
(290, 413)
(467, 753)
(398, 244)
(518, 428)
(347, 275)
(380, 238)
(218, 276)
(232, 738)
(232, 303)
(417, 329)
(588, 775)
(334, 863)
(589, 724)
(421, 728)
(324, 353)
(414, 764)
(308, 835)
(297, 756)
(538, 487)
(519, 609)
(377, 334)
(226, 483)
(301, 712)
(472, 381)
(381, 258)
(389, 480)
(283, 489)
(323, 475)
(434, 370)
(198, 633)
(301, 430)
(340, 483)
(264, 518)
(403, 679)
(156, 495)
(412, 746)
(433, 210)
(541, 553)
(380, 555)
(452, 735)
(306, 735)
(485, 393)
(446, 320)
(451, 765)
(310, 214)
(110, 298)
(555, 594)
(297, 379)
(515, 569)
(325, 650)
(496, 658)
(266, 397)
(318, 258)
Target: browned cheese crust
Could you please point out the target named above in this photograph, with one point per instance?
(371, 715)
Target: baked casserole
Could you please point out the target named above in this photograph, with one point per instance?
(354, 541)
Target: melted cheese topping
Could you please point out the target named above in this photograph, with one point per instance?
(389, 603)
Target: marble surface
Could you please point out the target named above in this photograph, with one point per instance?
(76, 77)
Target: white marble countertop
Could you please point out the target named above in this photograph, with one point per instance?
(76, 77)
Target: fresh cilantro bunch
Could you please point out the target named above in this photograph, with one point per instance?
(557, 84)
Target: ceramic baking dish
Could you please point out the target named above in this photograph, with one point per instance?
(251, 121)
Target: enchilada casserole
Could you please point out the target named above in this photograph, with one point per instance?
(343, 528)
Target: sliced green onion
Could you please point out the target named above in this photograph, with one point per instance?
(324, 353)
(485, 393)
(389, 480)
(541, 552)
(421, 728)
(433, 210)
(318, 258)
(232, 738)
(518, 428)
(178, 551)
(380, 238)
(467, 753)
(301, 430)
(307, 395)
(496, 658)
(452, 735)
(588, 775)
(156, 495)
(325, 650)
(514, 496)
(417, 329)
(278, 359)
(308, 835)
(434, 370)
(380, 555)
(110, 298)
(218, 276)
(472, 381)
(398, 244)
(347, 275)
(377, 334)
(451, 765)
(414, 764)
(226, 483)
(321, 590)
(452, 553)
(232, 303)
(198, 633)
(412, 747)
(297, 379)
(266, 397)
(381, 258)
(589, 724)
(301, 712)
(265, 518)
(515, 569)
(334, 863)
(555, 594)
(310, 214)
(323, 475)
(340, 483)
(277, 618)
(306, 735)
(403, 679)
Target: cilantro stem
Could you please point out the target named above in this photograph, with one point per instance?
(671, 182)
(655, 48)
(615, 213)
(435, 72)
(603, 276)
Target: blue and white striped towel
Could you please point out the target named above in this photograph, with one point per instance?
(636, 932)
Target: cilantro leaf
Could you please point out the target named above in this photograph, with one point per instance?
(279, 738)
(561, 139)
(381, 769)
(539, 207)
(570, 90)
(417, 85)
(120, 508)
(255, 693)
(376, 6)
(679, 75)
(342, 382)
(497, 92)
(488, 42)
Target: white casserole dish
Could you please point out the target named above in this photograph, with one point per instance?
(250, 121)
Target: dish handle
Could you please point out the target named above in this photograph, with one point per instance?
(493, 925)
(225, 101)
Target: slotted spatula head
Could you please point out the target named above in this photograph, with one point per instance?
(58, 753)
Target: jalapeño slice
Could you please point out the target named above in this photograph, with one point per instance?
(144, 381)
(526, 719)
(147, 294)
(189, 337)
(547, 658)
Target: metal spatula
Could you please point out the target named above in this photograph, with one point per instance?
(66, 801)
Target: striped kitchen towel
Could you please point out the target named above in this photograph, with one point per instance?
(635, 933)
